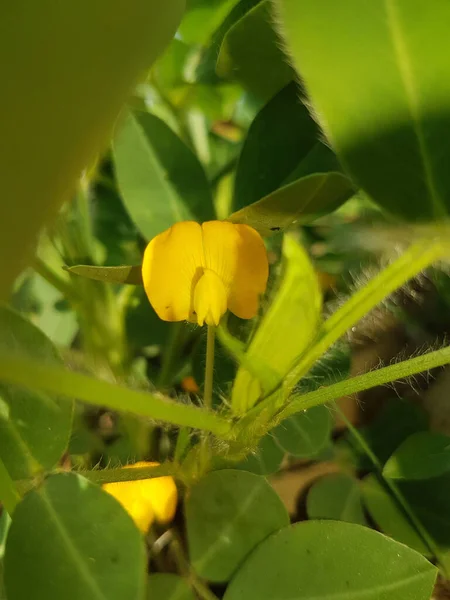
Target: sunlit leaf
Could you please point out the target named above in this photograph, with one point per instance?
(421, 456)
(125, 274)
(202, 18)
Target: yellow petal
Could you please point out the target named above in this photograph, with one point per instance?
(146, 499)
(238, 255)
(173, 263)
(210, 298)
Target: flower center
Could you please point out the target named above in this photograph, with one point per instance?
(210, 298)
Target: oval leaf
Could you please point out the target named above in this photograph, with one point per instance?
(228, 513)
(80, 543)
(60, 106)
(421, 456)
(326, 560)
(336, 497)
(298, 203)
(124, 274)
(384, 107)
(35, 427)
(160, 179)
(305, 434)
(168, 586)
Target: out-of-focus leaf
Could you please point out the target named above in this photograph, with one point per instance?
(168, 586)
(34, 426)
(80, 543)
(421, 456)
(383, 107)
(280, 137)
(60, 99)
(124, 274)
(297, 203)
(202, 18)
(322, 560)
(336, 497)
(168, 70)
(160, 179)
(143, 326)
(228, 513)
(251, 53)
(305, 434)
(286, 329)
(267, 458)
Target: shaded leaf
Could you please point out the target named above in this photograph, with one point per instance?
(125, 274)
(168, 586)
(159, 177)
(80, 543)
(306, 433)
(302, 562)
(421, 456)
(228, 513)
(267, 458)
(260, 66)
(337, 497)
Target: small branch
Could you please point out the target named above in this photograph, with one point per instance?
(58, 380)
(209, 367)
(406, 368)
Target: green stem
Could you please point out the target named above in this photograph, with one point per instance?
(414, 260)
(57, 282)
(209, 367)
(8, 494)
(101, 476)
(397, 494)
(54, 379)
(360, 383)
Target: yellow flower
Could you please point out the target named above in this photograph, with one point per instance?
(195, 272)
(146, 500)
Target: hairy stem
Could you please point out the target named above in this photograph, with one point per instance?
(209, 367)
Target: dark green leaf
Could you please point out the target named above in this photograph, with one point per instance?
(71, 540)
(143, 326)
(125, 274)
(160, 179)
(251, 53)
(280, 137)
(34, 426)
(267, 458)
(167, 586)
(325, 560)
(305, 434)
(421, 456)
(228, 513)
(336, 497)
(299, 202)
(384, 107)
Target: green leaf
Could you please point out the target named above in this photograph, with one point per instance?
(228, 513)
(384, 107)
(260, 66)
(69, 539)
(337, 497)
(326, 560)
(143, 326)
(280, 137)
(299, 202)
(421, 456)
(159, 177)
(388, 515)
(306, 433)
(60, 106)
(267, 458)
(167, 586)
(288, 326)
(202, 18)
(125, 274)
(35, 427)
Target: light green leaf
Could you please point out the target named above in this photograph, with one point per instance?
(388, 515)
(297, 203)
(160, 179)
(35, 427)
(327, 560)
(60, 106)
(202, 18)
(385, 106)
(279, 138)
(337, 497)
(80, 543)
(421, 456)
(288, 326)
(228, 513)
(124, 274)
(251, 53)
(168, 586)
(305, 434)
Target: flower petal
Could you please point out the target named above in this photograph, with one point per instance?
(238, 255)
(210, 298)
(173, 263)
